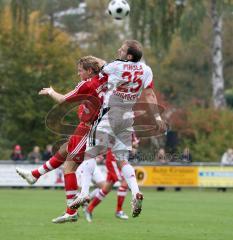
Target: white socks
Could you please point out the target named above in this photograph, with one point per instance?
(93, 193)
(88, 170)
(129, 175)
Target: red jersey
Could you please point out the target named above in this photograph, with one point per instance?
(90, 94)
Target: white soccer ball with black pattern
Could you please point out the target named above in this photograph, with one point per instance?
(118, 9)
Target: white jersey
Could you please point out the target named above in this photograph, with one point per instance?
(113, 128)
(126, 80)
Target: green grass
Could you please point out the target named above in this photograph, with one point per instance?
(185, 215)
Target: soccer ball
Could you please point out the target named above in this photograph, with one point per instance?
(118, 9)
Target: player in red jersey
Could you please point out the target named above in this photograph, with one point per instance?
(72, 151)
(92, 89)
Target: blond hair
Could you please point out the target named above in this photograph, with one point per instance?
(91, 62)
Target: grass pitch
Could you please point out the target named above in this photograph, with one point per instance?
(187, 215)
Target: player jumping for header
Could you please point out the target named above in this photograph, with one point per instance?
(128, 78)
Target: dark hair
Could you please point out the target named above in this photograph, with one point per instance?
(134, 49)
(88, 62)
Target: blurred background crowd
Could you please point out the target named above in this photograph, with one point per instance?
(35, 156)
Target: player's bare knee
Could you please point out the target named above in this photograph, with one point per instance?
(107, 187)
(70, 167)
(100, 184)
(124, 184)
(63, 150)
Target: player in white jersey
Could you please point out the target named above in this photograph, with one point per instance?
(127, 79)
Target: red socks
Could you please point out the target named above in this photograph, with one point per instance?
(71, 189)
(121, 194)
(54, 162)
(97, 199)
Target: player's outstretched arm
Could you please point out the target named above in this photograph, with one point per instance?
(57, 97)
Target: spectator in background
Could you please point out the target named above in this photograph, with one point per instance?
(186, 156)
(35, 155)
(48, 153)
(161, 156)
(227, 158)
(17, 155)
(172, 142)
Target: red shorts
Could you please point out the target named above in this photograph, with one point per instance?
(113, 172)
(77, 142)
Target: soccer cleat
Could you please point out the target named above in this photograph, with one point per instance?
(88, 215)
(137, 205)
(66, 218)
(78, 201)
(121, 215)
(27, 175)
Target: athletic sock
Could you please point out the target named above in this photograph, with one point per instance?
(71, 189)
(88, 169)
(121, 194)
(97, 199)
(129, 175)
(93, 193)
(54, 162)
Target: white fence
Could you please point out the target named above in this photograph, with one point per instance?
(153, 175)
(9, 177)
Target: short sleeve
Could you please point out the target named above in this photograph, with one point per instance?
(74, 95)
(109, 68)
(148, 81)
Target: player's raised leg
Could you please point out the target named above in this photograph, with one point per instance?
(54, 162)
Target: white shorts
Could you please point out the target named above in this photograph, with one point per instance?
(97, 176)
(112, 130)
